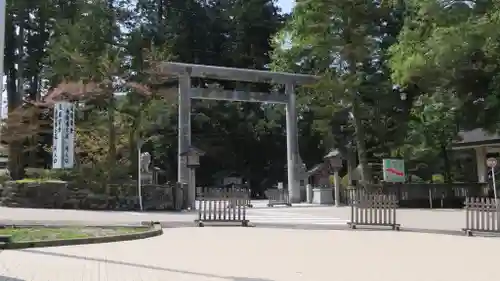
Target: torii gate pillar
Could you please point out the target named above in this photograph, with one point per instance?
(292, 141)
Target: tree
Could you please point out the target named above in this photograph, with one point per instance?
(431, 129)
(340, 40)
(448, 51)
(452, 50)
(108, 46)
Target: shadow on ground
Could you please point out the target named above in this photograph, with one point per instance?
(247, 279)
(343, 227)
(375, 228)
(151, 267)
(6, 278)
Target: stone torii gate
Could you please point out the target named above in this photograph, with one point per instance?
(187, 71)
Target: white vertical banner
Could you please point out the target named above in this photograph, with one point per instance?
(57, 140)
(3, 108)
(69, 135)
(64, 136)
(3, 20)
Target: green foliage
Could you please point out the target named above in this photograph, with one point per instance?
(453, 51)
(449, 51)
(88, 50)
(443, 55)
(354, 103)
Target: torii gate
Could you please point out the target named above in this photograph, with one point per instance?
(186, 71)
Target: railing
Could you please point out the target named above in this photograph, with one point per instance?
(278, 197)
(348, 195)
(223, 207)
(416, 195)
(374, 210)
(244, 192)
(243, 197)
(481, 215)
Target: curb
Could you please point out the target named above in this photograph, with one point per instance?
(68, 223)
(155, 230)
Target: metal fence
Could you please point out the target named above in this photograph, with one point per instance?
(421, 195)
(374, 210)
(481, 215)
(223, 206)
(278, 197)
(243, 192)
(348, 195)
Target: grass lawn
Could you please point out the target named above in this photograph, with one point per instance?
(21, 234)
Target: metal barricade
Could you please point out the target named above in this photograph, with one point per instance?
(225, 206)
(278, 197)
(481, 215)
(374, 210)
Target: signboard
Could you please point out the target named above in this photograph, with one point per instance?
(63, 136)
(69, 136)
(394, 170)
(491, 162)
(57, 137)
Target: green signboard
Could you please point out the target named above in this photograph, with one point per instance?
(394, 170)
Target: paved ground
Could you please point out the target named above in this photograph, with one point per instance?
(260, 214)
(300, 215)
(262, 254)
(298, 243)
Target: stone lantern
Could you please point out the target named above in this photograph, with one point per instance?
(191, 158)
(334, 161)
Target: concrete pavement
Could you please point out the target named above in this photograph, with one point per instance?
(261, 254)
(287, 251)
(436, 219)
(327, 216)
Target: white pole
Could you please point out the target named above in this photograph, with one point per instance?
(3, 7)
(139, 187)
(494, 183)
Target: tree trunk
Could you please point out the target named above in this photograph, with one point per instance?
(447, 166)
(360, 142)
(133, 157)
(33, 141)
(112, 133)
(134, 136)
(15, 89)
(351, 164)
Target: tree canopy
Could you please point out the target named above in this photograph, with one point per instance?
(399, 78)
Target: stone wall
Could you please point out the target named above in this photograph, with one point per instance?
(64, 195)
